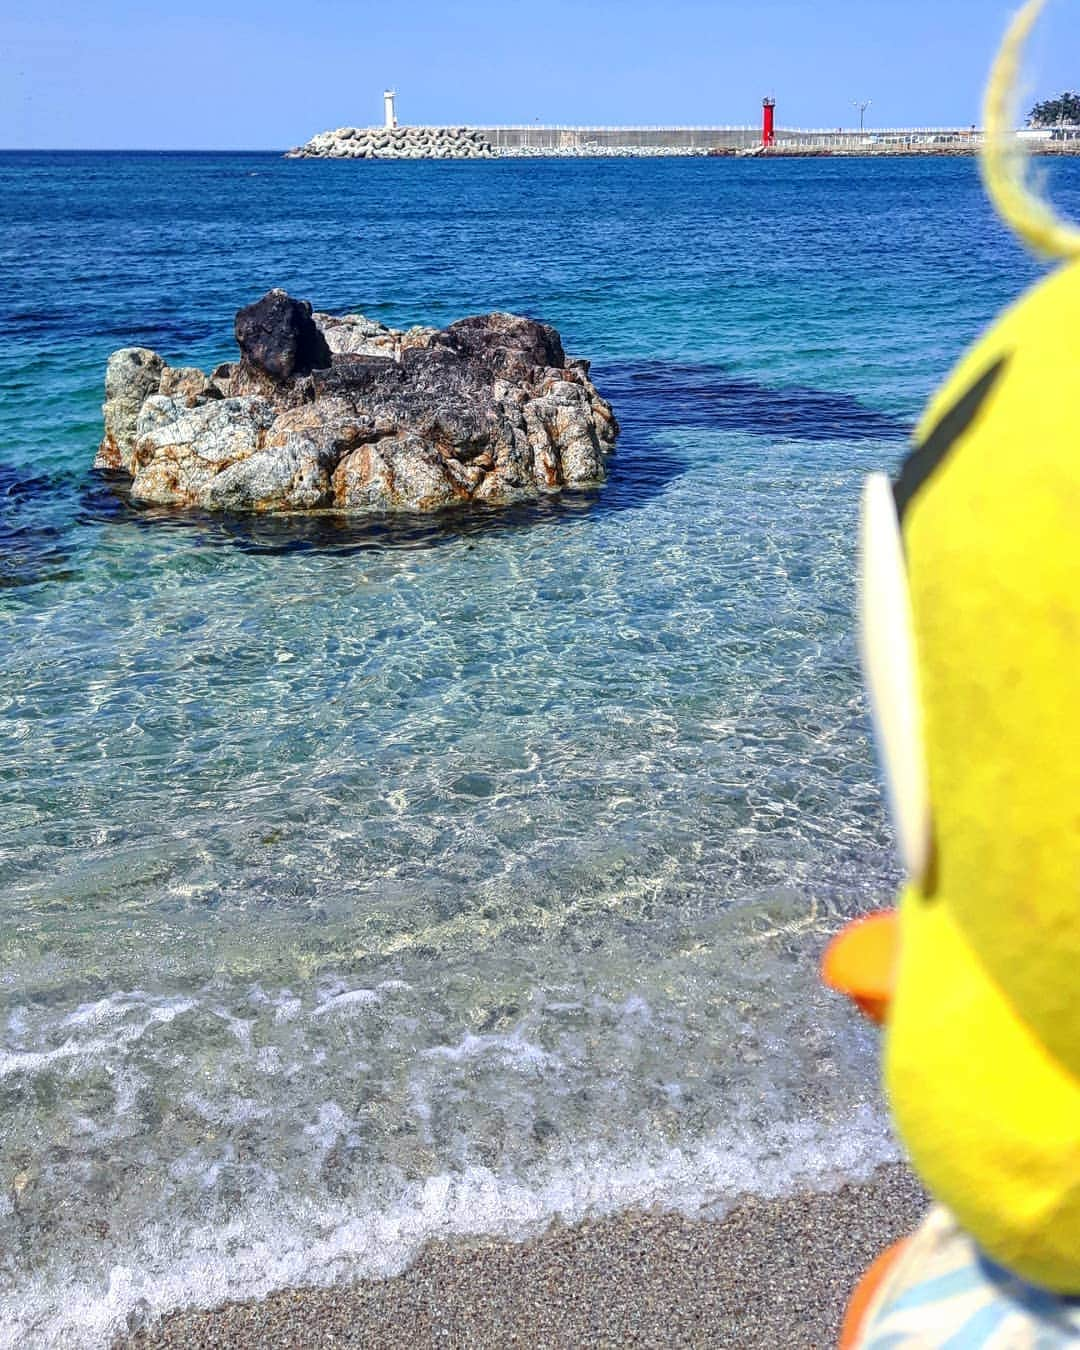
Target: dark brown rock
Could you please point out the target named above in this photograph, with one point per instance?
(506, 344)
(278, 336)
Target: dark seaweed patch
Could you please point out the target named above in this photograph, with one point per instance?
(34, 542)
(18, 486)
(673, 394)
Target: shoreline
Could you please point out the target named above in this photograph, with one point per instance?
(773, 1272)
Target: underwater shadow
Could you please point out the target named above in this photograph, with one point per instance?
(109, 501)
(34, 542)
(708, 397)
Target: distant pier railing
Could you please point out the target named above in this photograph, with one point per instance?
(566, 138)
(538, 138)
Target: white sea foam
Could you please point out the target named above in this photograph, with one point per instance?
(512, 1052)
(275, 1244)
(123, 1018)
(349, 999)
(354, 998)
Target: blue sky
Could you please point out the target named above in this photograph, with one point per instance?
(115, 73)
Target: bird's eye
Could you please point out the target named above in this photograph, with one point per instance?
(887, 640)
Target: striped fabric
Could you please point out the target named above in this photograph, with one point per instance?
(942, 1294)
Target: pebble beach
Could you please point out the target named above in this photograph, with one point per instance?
(774, 1273)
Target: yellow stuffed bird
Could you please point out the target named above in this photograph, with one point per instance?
(970, 611)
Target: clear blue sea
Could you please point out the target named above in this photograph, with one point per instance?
(362, 882)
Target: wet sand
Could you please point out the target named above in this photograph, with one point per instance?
(773, 1274)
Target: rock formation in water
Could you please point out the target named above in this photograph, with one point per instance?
(340, 413)
(395, 143)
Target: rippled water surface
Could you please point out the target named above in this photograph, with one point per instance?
(363, 881)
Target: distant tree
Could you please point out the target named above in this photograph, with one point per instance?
(1053, 112)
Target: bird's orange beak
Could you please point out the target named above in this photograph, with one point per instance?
(861, 962)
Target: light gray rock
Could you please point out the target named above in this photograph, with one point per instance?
(288, 477)
(131, 377)
(188, 384)
(158, 411)
(177, 460)
(398, 473)
(358, 336)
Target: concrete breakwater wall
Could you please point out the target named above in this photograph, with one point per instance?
(538, 141)
(605, 151)
(395, 143)
(521, 142)
(541, 140)
(587, 142)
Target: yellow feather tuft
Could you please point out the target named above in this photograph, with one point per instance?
(1003, 159)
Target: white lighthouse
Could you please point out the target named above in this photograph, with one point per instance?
(388, 103)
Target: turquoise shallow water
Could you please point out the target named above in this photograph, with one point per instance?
(362, 882)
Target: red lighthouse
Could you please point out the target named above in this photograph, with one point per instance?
(768, 122)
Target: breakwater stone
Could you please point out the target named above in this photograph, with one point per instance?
(395, 143)
(341, 413)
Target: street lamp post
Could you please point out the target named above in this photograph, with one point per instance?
(862, 107)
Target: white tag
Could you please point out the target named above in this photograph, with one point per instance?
(887, 643)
